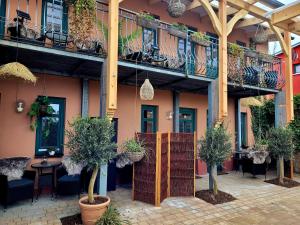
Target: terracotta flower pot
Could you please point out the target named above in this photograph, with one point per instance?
(91, 213)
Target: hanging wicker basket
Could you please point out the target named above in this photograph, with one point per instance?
(176, 8)
(250, 53)
(177, 33)
(261, 36)
(135, 156)
(200, 41)
(266, 58)
(147, 91)
(146, 23)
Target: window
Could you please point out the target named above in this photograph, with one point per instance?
(240, 43)
(186, 51)
(187, 123)
(297, 68)
(2, 16)
(54, 16)
(244, 129)
(50, 129)
(149, 119)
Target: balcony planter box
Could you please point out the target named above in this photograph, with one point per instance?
(250, 53)
(266, 58)
(177, 33)
(143, 22)
(200, 41)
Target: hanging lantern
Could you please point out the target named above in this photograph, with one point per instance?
(176, 8)
(147, 90)
(261, 36)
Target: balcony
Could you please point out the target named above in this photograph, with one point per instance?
(152, 44)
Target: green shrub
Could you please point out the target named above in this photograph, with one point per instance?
(111, 217)
(133, 145)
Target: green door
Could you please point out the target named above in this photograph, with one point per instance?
(2, 17)
(187, 120)
(148, 119)
(244, 129)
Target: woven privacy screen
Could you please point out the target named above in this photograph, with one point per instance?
(144, 176)
(182, 164)
(168, 168)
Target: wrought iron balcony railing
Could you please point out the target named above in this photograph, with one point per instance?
(246, 66)
(153, 43)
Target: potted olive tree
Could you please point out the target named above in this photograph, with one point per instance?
(90, 142)
(281, 147)
(215, 148)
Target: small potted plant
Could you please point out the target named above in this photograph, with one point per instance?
(178, 30)
(200, 38)
(266, 58)
(147, 20)
(40, 107)
(235, 50)
(249, 52)
(134, 149)
(90, 142)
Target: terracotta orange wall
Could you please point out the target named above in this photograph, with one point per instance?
(16, 138)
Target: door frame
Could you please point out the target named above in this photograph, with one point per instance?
(193, 112)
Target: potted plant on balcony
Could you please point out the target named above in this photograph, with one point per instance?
(235, 50)
(90, 142)
(266, 58)
(178, 30)
(250, 52)
(147, 20)
(134, 149)
(200, 38)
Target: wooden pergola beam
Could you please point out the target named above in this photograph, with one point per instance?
(212, 15)
(194, 4)
(285, 12)
(239, 15)
(249, 22)
(277, 32)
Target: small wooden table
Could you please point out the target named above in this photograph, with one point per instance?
(46, 166)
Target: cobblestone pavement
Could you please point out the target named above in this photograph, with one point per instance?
(257, 203)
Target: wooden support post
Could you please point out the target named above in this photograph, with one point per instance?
(195, 158)
(222, 61)
(112, 58)
(288, 78)
(158, 169)
(169, 164)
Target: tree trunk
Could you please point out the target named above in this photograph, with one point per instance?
(281, 169)
(215, 189)
(212, 180)
(92, 184)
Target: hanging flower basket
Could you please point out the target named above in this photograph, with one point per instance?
(261, 36)
(178, 30)
(148, 21)
(135, 156)
(200, 39)
(147, 90)
(250, 53)
(266, 58)
(176, 8)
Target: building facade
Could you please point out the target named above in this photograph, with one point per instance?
(79, 76)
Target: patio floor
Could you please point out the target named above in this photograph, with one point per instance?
(257, 203)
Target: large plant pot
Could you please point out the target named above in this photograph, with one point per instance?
(91, 213)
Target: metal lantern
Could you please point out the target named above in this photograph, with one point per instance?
(176, 8)
(147, 90)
